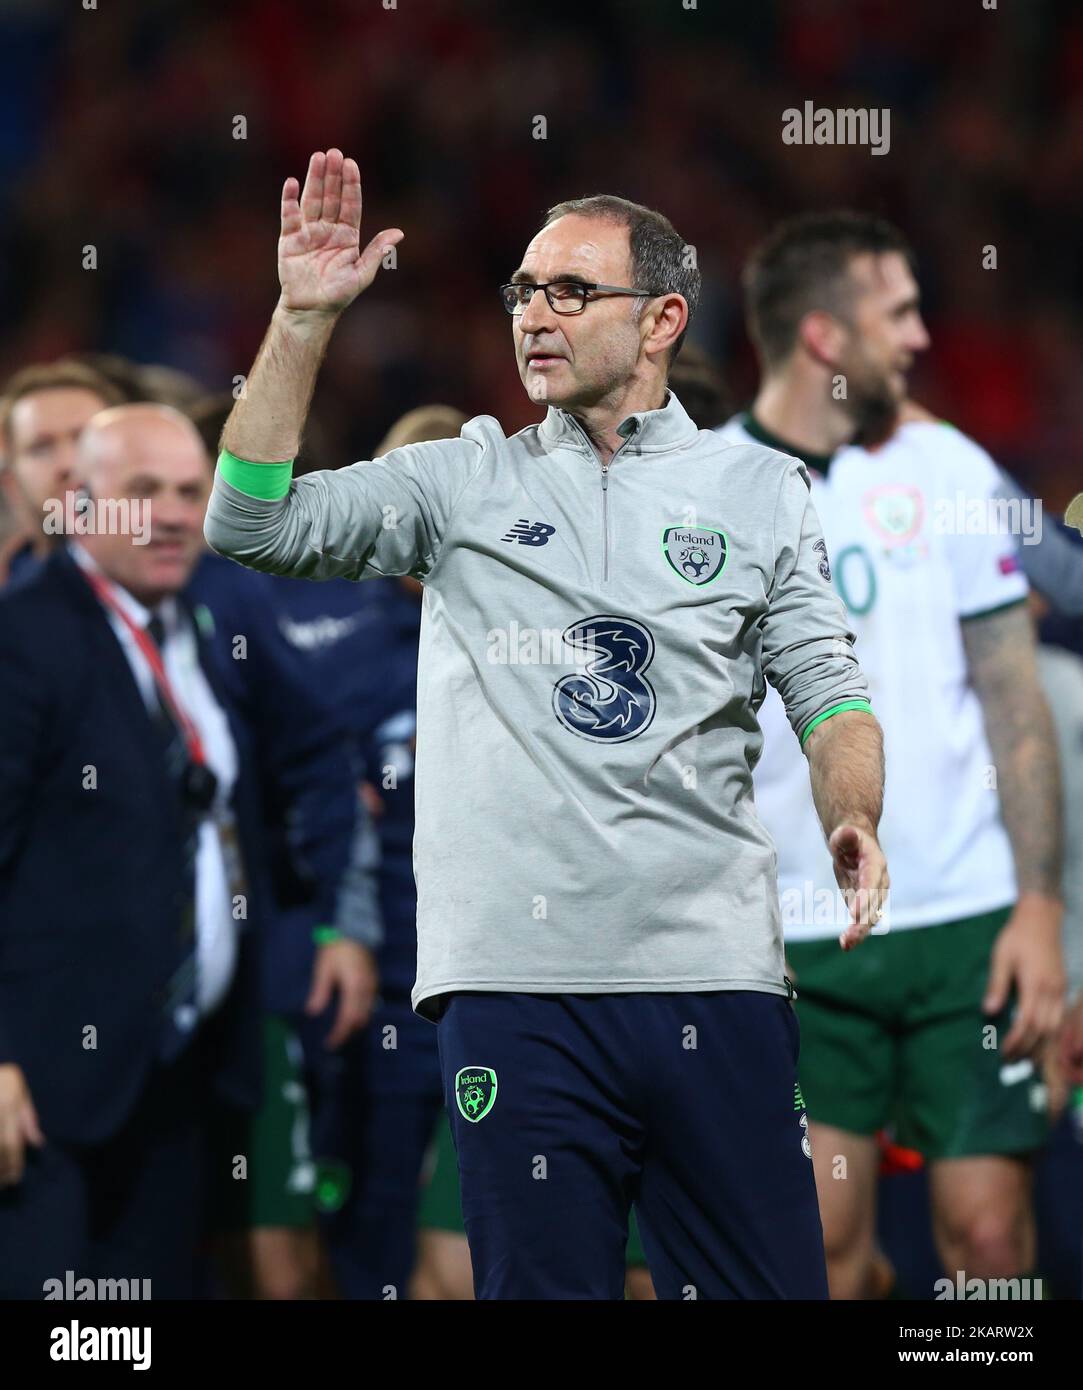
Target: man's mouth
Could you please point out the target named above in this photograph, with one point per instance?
(543, 359)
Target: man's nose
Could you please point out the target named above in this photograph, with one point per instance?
(64, 461)
(919, 337)
(538, 316)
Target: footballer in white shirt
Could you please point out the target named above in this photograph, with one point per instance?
(934, 1030)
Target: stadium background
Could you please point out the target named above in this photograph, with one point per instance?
(118, 131)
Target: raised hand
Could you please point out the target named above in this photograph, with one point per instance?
(321, 266)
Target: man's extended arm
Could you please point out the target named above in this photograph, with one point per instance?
(266, 423)
(1000, 653)
(1003, 670)
(846, 769)
(808, 657)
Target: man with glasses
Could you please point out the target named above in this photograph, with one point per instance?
(605, 593)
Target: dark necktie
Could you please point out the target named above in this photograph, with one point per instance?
(179, 1004)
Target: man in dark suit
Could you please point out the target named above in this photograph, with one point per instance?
(127, 981)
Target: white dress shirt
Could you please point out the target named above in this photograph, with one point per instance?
(216, 927)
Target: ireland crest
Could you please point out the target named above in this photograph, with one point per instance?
(696, 553)
(895, 512)
(475, 1092)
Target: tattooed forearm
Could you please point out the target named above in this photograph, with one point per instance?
(1000, 653)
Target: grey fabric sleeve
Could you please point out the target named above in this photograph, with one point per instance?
(387, 517)
(807, 651)
(357, 910)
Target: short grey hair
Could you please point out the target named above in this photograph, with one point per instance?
(662, 262)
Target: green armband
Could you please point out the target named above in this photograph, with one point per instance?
(269, 481)
(862, 705)
(326, 936)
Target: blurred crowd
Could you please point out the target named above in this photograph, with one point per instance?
(120, 129)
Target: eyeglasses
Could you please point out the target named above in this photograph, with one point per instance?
(564, 296)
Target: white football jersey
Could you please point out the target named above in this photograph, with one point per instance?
(917, 544)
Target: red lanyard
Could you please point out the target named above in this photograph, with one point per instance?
(153, 659)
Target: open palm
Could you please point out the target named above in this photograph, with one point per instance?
(320, 262)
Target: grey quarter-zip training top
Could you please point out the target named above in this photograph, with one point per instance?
(594, 644)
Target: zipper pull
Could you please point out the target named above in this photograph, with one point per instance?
(605, 476)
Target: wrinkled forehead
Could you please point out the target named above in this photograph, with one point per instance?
(588, 248)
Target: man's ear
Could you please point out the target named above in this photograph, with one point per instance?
(670, 314)
(823, 337)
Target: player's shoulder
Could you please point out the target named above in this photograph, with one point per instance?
(957, 455)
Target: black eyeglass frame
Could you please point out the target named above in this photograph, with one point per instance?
(588, 288)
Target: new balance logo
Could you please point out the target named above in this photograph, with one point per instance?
(529, 532)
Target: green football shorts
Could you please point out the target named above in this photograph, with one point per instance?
(441, 1207)
(893, 1037)
(279, 1189)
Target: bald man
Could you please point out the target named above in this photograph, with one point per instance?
(126, 988)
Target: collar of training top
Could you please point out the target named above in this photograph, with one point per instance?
(648, 431)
